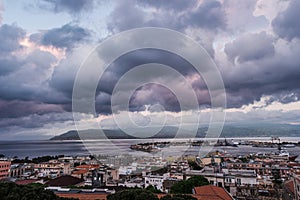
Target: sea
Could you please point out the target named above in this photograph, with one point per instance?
(22, 149)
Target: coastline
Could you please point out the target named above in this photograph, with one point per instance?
(121, 146)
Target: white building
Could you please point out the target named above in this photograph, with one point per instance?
(231, 179)
(156, 180)
(132, 183)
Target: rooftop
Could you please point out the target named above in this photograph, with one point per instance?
(25, 182)
(64, 181)
(210, 192)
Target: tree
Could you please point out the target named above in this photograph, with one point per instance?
(12, 191)
(159, 170)
(34, 160)
(194, 165)
(134, 194)
(178, 197)
(76, 164)
(186, 187)
(153, 189)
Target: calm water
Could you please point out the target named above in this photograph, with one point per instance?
(22, 149)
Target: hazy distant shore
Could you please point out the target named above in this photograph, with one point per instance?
(228, 131)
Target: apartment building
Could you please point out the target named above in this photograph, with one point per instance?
(4, 169)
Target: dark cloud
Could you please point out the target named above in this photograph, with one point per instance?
(29, 81)
(9, 64)
(208, 15)
(66, 36)
(35, 120)
(154, 94)
(16, 108)
(256, 75)
(286, 24)
(10, 36)
(277, 76)
(150, 94)
(64, 75)
(200, 20)
(176, 5)
(1, 10)
(126, 16)
(71, 6)
(285, 97)
(255, 46)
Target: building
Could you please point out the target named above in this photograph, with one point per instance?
(52, 169)
(86, 173)
(4, 169)
(168, 183)
(179, 166)
(210, 192)
(64, 181)
(296, 179)
(156, 180)
(236, 181)
(292, 188)
(210, 161)
(289, 190)
(132, 183)
(213, 177)
(17, 170)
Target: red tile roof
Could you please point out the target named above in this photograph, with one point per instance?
(87, 166)
(83, 171)
(64, 181)
(290, 186)
(210, 192)
(25, 182)
(83, 196)
(202, 193)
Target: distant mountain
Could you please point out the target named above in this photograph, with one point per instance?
(229, 131)
(166, 132)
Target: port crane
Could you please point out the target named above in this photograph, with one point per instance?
(275, 138)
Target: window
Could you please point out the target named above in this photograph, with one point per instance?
(238, 181)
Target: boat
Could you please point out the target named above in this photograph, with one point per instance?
(286, 153)
(289, 145)
(293, 157)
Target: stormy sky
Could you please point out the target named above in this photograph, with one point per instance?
(254, 43)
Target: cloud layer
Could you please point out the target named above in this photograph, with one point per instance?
(256, 47)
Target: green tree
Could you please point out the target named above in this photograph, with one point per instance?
(194, 165)
(160, 171)
(186, 187)
(12, 191)
(134, 194)
(153, 189)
